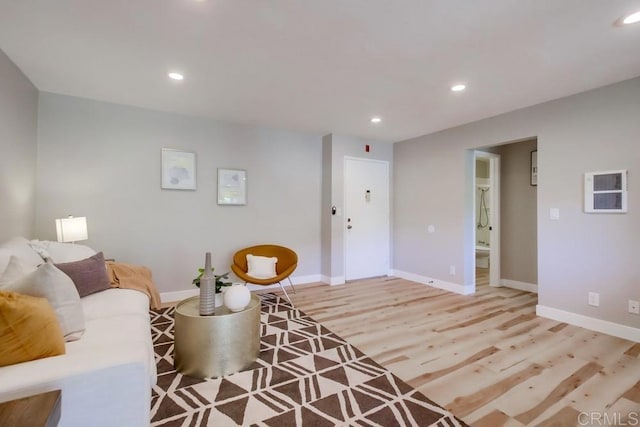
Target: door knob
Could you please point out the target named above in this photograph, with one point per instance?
(349, 227)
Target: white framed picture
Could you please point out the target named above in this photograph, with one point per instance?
(534, 168)
(178, 169)
(232, 187)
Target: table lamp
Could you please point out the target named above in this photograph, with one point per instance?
(72, 229)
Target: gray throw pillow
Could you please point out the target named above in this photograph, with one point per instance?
(51, 283)
(89, 275)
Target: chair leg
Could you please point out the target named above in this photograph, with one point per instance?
(286, 294)
(294, 289)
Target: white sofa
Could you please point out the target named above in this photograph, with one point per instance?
(106, 376)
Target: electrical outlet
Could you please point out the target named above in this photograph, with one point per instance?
(594, 299)
(634, 307)
(452, 270)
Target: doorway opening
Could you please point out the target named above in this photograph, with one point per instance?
(487, 218)
(503, 237)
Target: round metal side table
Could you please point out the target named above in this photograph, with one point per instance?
(213, 346)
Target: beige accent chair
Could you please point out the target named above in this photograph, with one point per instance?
(287, 263)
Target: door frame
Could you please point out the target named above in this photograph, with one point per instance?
(346, 159)
(494, 236)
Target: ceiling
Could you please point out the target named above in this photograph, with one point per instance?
(323, 66)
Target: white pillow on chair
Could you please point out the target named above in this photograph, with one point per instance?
(261, 267)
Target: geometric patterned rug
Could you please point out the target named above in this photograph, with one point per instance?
(305, 376)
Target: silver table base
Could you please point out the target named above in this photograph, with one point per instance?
(213, 346)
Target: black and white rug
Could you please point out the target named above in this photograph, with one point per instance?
(305, 376)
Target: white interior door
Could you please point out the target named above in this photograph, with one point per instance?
(494, 257)
(366, 220)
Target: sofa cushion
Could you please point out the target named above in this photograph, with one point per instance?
(61, 252)
(89, 275)
(114, 302)
(19, 247)
(51, 283)
(122, 333)
(29, 329)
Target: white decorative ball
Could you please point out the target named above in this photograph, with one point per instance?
(237, 297)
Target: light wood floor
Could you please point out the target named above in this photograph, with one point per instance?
(487, 357)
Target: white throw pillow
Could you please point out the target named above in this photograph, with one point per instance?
(19, 247)
(261, 267)
(12, 273)
(40, 247)
(5, 257)
(58, 288)
(62, 252)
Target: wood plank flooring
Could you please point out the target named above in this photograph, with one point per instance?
(486, 357)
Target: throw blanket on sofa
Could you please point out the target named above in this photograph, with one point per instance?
(128, 276)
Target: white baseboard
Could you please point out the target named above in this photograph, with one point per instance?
(591, 323)
(297, 280)
(441, 284)
(333, 280)
(263, 287)
(300, 280)
(180, 295)
(522, 286)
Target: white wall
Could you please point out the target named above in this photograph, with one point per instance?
(595, 130)
(18, 141)
(335, 149)
(102, 161)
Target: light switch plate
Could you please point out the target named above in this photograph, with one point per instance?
(554, 214)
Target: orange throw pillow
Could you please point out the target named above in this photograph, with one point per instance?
(29, 329)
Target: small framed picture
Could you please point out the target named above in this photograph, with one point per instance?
(534, 168)
(178, 169)
(232, 187)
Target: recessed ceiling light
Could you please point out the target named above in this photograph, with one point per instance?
(631, 19)
(376, 119)
(458, 88)
(627, 19)
(176, 76)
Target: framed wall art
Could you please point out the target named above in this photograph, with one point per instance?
(232, 187)
(178, 169)
(534, 167)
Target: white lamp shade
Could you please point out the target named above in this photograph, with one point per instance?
(72, 229)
